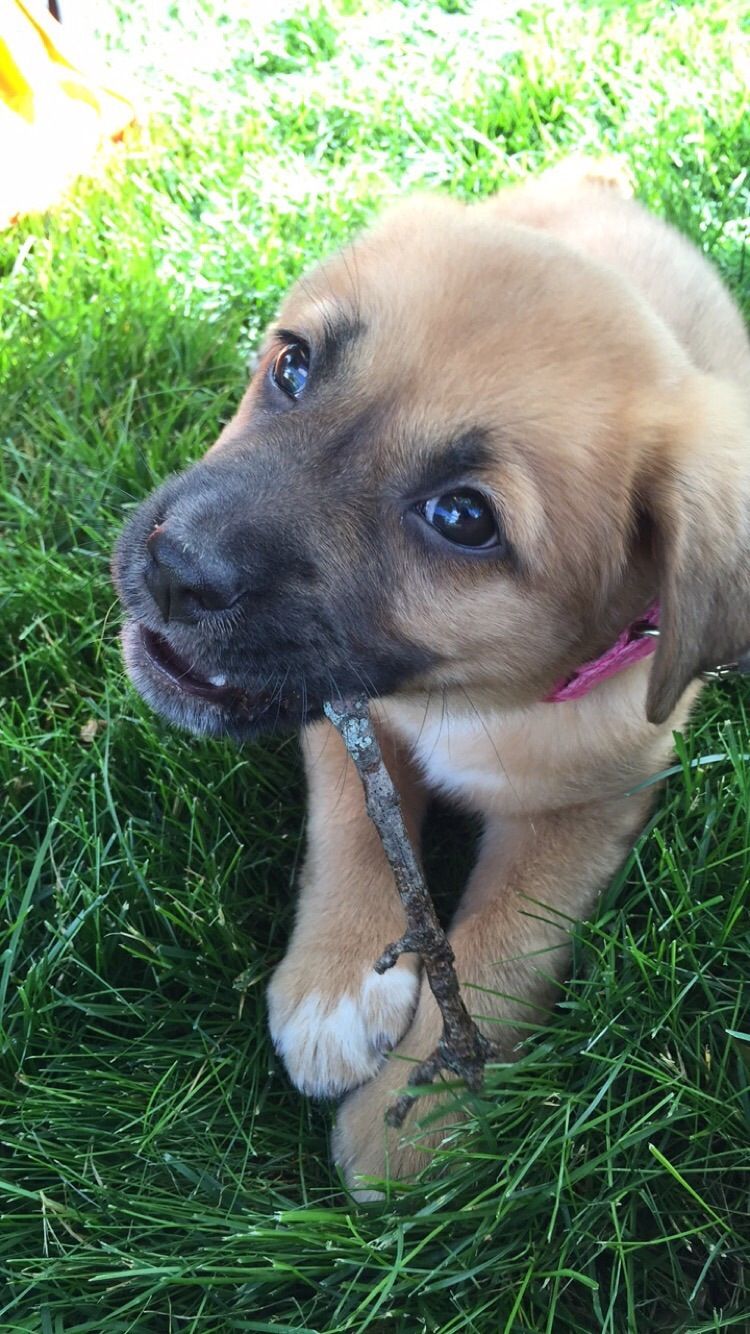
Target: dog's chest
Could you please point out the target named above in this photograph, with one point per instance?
(482, 759)
(540, 757)
(461, 756)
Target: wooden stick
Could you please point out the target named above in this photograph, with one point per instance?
(462, 1049)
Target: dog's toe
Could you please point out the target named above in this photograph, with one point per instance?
(368, 1151)
(332, 1043)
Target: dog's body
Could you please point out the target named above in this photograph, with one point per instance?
(553, 371)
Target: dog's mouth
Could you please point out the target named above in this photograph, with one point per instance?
(162, 657)
(210, 704)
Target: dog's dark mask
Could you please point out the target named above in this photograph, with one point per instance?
(256, 584)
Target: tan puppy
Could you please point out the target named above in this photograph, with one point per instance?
(480, 444)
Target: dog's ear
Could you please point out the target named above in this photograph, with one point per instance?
(697, 494)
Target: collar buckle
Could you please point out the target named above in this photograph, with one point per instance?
(642, 630)
(739, 668)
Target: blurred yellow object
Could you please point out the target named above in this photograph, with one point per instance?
(53, 114)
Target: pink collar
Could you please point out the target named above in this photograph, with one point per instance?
(633, 644)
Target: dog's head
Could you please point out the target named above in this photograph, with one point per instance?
(467, 459)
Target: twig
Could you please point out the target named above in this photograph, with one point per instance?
(462, 1049)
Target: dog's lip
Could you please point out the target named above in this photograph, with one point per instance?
(179, 672)
(236, 702)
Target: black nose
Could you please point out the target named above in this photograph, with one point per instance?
(183, 586)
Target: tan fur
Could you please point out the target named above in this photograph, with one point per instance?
(614, 369)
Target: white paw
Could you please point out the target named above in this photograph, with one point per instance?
(329, 1046)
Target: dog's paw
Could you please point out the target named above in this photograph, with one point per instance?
(365, 1147)
(332, 1041)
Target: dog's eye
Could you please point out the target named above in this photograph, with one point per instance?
(290, 369)
(463, 517)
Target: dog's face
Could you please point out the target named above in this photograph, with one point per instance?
(455, 466)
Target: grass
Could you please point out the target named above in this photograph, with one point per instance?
(157, 1172)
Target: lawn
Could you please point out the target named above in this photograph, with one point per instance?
(157, 1171)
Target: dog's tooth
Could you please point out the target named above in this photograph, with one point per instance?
(217, 680)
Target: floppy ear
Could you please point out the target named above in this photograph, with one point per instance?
(698, 496)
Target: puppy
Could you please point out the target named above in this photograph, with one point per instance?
(484, 448)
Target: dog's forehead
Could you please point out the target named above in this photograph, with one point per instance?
(451, 324)
(405, 287)
(447, 300)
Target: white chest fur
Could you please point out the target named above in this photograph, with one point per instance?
(460, 753)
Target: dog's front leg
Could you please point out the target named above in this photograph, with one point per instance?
(510, 937)
(331, 1015)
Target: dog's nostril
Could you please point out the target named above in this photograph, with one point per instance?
(182, 585)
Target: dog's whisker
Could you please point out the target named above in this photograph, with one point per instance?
(480, 719)
(340, 783)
